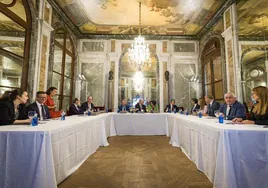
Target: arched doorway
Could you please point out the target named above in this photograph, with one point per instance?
(212, 69)
(253, 71)
(125, 80)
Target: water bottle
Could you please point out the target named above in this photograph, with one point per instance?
(62, 118)
(221, 119)
(118, 110)
(88, 113)
(169, 111)
(200, 114)
(181, 111)
(186, 112)
(107, 110)
(175, 111)
(35, 120)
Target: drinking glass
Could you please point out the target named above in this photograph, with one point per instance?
(31, 114)
(217, 113)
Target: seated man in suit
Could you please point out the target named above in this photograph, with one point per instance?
(123, 107)
(232, 108)
(75, 108)
(140, 106)
(39, 106)
(171, 107)
(212, 105)
(196, 105)
(88, 105)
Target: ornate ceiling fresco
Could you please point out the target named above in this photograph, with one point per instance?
(159, 17)
(253, 17)
(253, 56)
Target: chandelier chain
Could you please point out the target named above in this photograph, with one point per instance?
(139, 18)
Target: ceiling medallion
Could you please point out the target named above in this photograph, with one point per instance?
(139, 53)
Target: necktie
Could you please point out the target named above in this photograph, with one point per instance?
(209, 109)
(43, 112)
(228, 110)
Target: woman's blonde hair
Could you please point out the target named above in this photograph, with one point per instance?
(202, 103)
(261, 107)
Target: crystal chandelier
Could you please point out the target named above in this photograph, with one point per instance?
(139, 53)
(138, 81)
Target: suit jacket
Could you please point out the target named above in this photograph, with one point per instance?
(74, 111)
(237, 110)
(137, 106)
(126, 108)
(7, 112)
(84, 106)
(211, 108)
(259, 119)
(197, 107)
(168, 108)
(34, 107)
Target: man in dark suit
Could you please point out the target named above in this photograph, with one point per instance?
(212, 105)
(75, 108)
(39, 106)
(232, 108)
(196, 105)
(88, 105)
(140, 106)
(123, 107)
(171, 107)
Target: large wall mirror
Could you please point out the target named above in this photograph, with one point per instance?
(15, 26)
(126, 89)
(63, 68)
(253, 71)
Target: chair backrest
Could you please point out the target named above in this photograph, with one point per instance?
(181, 108)
(101, 108)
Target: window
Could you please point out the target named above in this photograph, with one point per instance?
(14, 44)
(212, 70)
(63, 66)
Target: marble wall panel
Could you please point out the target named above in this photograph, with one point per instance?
(184, 89)
(94, 85)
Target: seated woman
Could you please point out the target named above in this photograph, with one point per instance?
(11, 111)
(259, 112)
(153, 107)
(51, 92)
(75, 108)
(203, 106)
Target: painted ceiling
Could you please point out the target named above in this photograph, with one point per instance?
(253, 17)
(253, 56)
(159, 17)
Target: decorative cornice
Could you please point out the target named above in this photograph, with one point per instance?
(12, 34)
(250, 38)
(131, 37)
(215, 18)
(65, 18)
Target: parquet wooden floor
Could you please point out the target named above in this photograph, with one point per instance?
(140, 162)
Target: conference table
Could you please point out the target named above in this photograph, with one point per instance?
(45, 155)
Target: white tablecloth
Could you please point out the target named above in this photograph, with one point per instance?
(45, 155)
(140, 124)
(233, 156)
